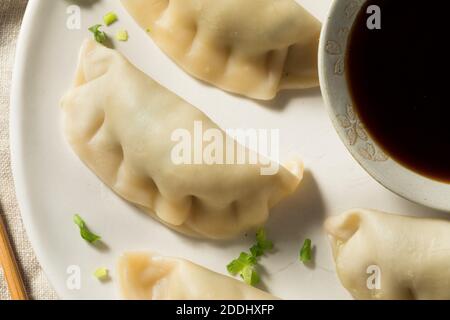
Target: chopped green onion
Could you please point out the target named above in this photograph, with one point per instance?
(122, 35)
(99, 35)
(110, 18)
(306, 252)
(85, 233)
(250, 276)
(262, 241)
(238, 265)
(101, 274)
(245, 264)
(148, 30)
(256, 251)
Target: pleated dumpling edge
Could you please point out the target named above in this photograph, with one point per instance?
(253, 48)
(120, 123)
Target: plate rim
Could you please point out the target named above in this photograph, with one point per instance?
(15, 136)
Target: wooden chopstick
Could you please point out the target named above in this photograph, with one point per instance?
(10, 267)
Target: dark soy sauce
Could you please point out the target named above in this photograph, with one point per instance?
(399, 82)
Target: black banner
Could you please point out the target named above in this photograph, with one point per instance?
(226, 309)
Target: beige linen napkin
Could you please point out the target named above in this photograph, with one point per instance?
(11, 14)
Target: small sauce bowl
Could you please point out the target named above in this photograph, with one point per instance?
(394, 176)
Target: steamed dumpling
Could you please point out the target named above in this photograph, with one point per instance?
(150, 277)
(120, 123)
(249, 47)
(397, 257)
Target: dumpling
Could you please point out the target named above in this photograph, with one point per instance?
(384, 256)
(253, 47)
(121, 123)
(144, 276)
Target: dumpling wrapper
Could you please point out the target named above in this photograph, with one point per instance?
(144, 276)
(413, 255)
(253, 47)
(119, 122)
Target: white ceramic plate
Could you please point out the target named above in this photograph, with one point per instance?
(52, 184)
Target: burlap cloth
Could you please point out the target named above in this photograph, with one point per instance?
(38, 287)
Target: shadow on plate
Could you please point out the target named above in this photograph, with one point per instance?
(295, 218)
(83, 3)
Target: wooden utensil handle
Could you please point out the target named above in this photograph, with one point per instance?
(10, 267)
